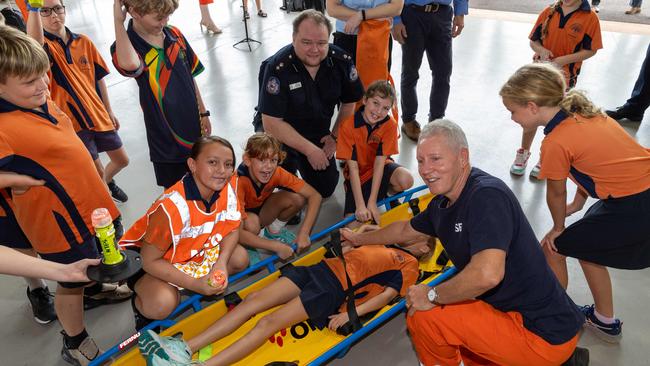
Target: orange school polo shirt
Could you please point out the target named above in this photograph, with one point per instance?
(252, 196)
(44, 145)
(373, 268)
(570, 33)
(76, 67)
(362, 143)
(597, 154)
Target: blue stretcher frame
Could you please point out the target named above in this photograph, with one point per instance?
(340, 350)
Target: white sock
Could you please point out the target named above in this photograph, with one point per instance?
(276, 226)
(34, 283)
(603, 318)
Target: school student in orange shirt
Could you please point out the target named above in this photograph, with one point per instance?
(566, 33)
(585, 145)
(77, 86)
(38, 139)
(366, 141)
(271, 196)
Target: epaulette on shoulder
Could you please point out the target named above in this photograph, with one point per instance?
(338, 53)
(281, 59)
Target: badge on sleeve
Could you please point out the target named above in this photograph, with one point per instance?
(354, 74)
(273, 86)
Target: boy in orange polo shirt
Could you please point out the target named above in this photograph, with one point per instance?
(77, 86)
(37, 139)
(366, 141)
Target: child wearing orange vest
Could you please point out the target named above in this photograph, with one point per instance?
(566, 33)
(366, 141)
(189, 233)
(585, 145)
(377, 273)
(77, 86)
(38, 139)
(271, 196)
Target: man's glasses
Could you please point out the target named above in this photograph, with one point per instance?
(46, 12)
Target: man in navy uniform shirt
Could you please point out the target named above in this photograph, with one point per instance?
(426, 26)
(301, 86)
(505, 305)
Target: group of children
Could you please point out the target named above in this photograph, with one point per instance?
(213, 210)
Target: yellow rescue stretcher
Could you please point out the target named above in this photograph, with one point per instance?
(302, 343)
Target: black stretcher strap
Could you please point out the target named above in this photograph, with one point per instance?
(414, 204)
(349, 292)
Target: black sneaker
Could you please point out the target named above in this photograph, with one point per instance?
(117, 193)
(141, 321)
(625, 113)
(42, 302)
(579, 357)
(119, 229)
(295, 220)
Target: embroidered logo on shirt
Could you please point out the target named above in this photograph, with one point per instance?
(273, 86)
(576, 28)
(83, 63)
(458, 227)
(354, 74)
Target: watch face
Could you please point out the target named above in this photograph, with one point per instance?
(432, 295)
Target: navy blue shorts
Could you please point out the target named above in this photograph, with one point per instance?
(88, 249)
(350, 205)
(11, 235)
(321, 292)
(167, 174)
(97, 142)
(255, 210)
(613, 233)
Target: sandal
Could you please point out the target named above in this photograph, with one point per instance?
(261, 13)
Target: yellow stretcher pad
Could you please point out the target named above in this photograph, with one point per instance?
(300, 343)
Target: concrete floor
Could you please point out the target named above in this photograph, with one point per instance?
(491, 47)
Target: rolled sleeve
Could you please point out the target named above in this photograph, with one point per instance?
(461, 7)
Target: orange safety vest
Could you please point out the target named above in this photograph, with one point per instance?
(372, 54)
(196, 234)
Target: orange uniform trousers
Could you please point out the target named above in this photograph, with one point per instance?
(478, 334)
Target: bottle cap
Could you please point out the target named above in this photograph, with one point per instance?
(218, 278)
(101, 217)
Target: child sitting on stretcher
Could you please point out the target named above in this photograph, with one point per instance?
(316, 292)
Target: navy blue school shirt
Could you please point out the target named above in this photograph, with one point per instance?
(167, 93)
(288, 91)
(487, 215)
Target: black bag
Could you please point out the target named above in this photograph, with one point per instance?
(14, 18)
(316, 5)
(293, 5)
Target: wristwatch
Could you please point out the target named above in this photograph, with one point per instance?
(204, 114)
(433, 296)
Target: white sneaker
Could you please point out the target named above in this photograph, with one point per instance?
(521, 160)
(534, 173)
